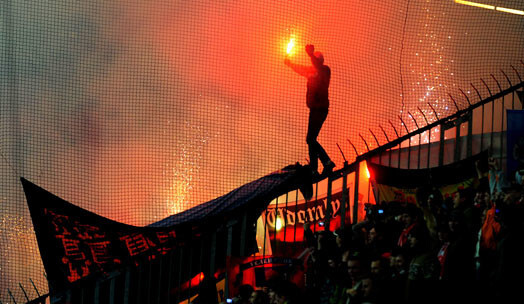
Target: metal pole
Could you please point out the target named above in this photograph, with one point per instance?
(276, 219)
(229, 250)
(171, 256)
(296, 218)
(112, 285)
(441, 146)
(285, 215)
(127, 283)
(180, 265)
(190, 264)
(355, 201)
(139, 282)
(202, 240)
(243, 234)
(457, 153)
(429, 135)
(265, 234)
(96, 295)
(501, 120)
(419, 138)
(409, 143)
(469, 140)
(149, 281)
(344, 199)
(492, 116)
(316, 200)
(328, 205)
(212, 254)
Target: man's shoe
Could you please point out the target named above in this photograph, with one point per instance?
(328, 168)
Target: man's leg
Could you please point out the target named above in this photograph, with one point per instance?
(316, 120)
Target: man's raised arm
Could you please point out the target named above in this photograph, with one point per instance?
(299, 69)
(315, 61)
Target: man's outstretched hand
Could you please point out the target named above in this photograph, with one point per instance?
(310, 49)
(287, 61)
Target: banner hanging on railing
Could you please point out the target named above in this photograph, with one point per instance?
(401, 185)
(285, 221)
(76, 244)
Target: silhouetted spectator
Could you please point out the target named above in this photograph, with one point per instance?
(424, 268)
(259, 297)
(244, 293)
(317, 98)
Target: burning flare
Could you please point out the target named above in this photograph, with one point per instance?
(290, 45)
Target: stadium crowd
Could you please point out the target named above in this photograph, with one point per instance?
(467, 248)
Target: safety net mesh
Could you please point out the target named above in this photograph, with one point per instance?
(137, 110)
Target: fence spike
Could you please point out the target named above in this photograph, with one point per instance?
(405, 126)
(378, 144)
(344, 157)
(385, 134)
(507, 78)
(516, 72)
(356, 152)
(23, 290)
(414, 120)
(467, 98)
(34, 286)
(394, 129)
(423, 115)
(497, 82)
(365, 142)
(454, 102)
(434, 112)
(11, 295)
(478, 93)
(487, 87)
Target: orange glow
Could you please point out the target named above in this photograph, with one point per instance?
(367, 172)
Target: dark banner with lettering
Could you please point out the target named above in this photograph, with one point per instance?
(285, 222)
(75, 243)
(78, 245)
(394, 184)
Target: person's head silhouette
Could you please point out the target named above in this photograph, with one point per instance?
(320, 57)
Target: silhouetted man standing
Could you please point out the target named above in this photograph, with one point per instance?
(317, 100)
